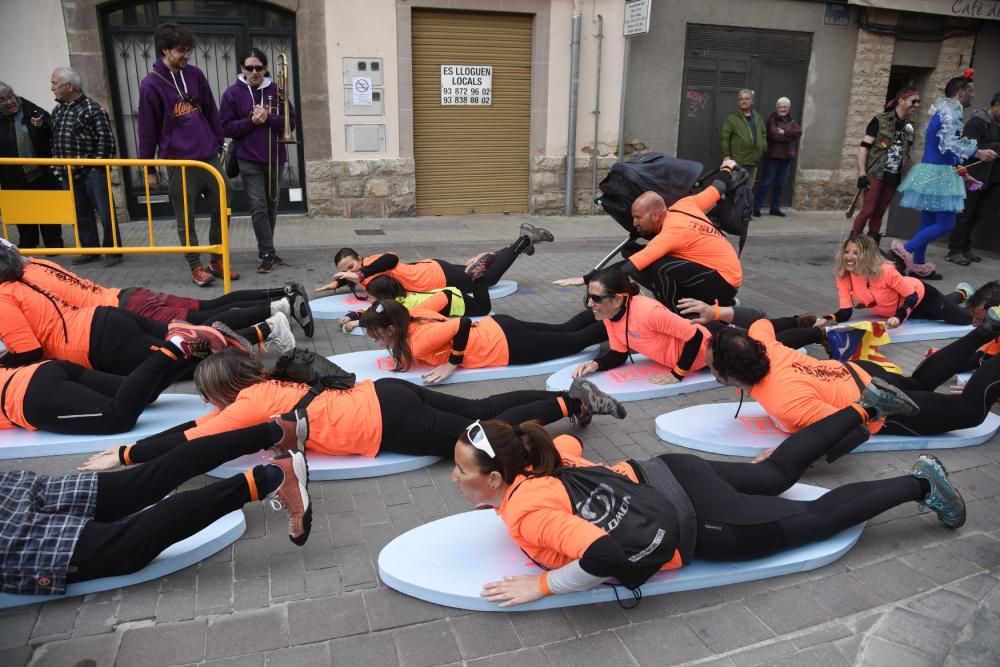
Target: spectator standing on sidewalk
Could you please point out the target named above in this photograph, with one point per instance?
(744, 136)
(783, 134)
(178, 120)
(81, 129)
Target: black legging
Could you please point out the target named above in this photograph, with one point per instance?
(455, 275)
(740, 517)
(120, 340)
(941, 413)
(533, 342)
(109, 546)
(786, 329)
(241, 298)
(421, 422)
(235, 317)
(672, 278)
(63, 397)
(937, 306)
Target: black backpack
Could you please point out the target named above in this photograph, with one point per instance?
(732, 213)
(306, 367)
(670, 177)
(639, 517)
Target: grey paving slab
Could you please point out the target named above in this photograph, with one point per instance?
(481, 635)
(542, 627)
(389, 609)
(767, 654)
(250, 632)
(593, 651)
(102, 649)
(667, 641)
(528, 657)
(426, 644)
(787, 610)
(164, 645)
(376, 649)
(727, 627)
(326, 618)
(313, 655)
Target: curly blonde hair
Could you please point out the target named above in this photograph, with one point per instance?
(869, 260)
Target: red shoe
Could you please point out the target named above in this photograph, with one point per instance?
(478, 268)
(201, 276)
(215, 268)
(194, 340)
(294, 432)
(233, 339)
(293, 495)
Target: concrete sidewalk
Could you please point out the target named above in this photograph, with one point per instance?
(910, 592)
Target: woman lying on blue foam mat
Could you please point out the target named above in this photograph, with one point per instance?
(585, 523)
(385, 415)
(56, 531)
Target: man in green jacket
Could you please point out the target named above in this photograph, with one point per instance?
(744, 135)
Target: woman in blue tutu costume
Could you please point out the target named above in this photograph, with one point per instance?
(935, 187)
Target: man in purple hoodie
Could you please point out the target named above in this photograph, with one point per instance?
(178, 120)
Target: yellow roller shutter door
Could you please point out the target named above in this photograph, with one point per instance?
(471, 159)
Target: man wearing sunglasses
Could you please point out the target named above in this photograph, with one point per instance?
(178, 120)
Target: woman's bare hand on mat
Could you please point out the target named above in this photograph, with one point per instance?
(892, 322)
(586, 368)
(569, 282)
(439, 374)
(513, 590)
(331, 286)
(663, 378)
(106, 460)
(702, 312)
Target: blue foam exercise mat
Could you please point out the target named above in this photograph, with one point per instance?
(324, 467)
(630, 382)
(375, 364)
(169, 410)
(711, 428)
(194, 549)
(337, 305)
(915, 330)
(447, 562)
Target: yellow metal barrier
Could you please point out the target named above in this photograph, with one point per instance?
(57, 207)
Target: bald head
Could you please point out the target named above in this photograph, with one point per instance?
(647, 213)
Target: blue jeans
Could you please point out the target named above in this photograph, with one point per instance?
(90, 192)
(774, 172)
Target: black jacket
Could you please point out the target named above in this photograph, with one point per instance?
(986, 132)
(13, 177)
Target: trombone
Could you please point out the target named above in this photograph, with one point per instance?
(287, 137)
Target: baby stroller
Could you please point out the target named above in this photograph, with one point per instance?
(671, 178)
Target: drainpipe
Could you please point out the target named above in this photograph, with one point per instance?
(597, 117)
(574, 86)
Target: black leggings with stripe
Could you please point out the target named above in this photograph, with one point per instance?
(534, 342)
(740, 516)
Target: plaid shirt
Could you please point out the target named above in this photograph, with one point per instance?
(40, 522)
(81, 129)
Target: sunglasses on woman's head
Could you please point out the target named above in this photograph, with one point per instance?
(477, 438)
(254, 68)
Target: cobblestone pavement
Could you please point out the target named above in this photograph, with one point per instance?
(909, 593)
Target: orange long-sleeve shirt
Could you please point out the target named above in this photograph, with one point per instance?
(431, 336)
(688, 234)
(883, 294)
(73, 289)
(656, 332)
(31, 318)
(800, 390)
(341, 422)
(422, 276)
(540, 519)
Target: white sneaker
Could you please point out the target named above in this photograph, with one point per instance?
(281, 333)
(281, 306)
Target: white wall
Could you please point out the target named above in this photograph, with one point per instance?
(34, 43)
(362, 30)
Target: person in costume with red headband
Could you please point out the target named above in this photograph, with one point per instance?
(935, 187)
(882, 157)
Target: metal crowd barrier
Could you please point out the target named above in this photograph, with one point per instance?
(58, 207)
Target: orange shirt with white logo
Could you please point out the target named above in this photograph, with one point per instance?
(341, 422)
(31, 318)
(540, 518)
(800, 390)
(688, 234)
(656, 332)
(422, 276)
(882, 295)
(431, 335)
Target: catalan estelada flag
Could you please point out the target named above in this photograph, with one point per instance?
(859, 341)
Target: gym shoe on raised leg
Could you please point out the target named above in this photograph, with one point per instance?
(294, 432)
(301, 312)
(944, 498)
(293, 495)
(593, 401)
(281, 333)
(194, 340)
(535, 235)
(887, 399)
(966, 290)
